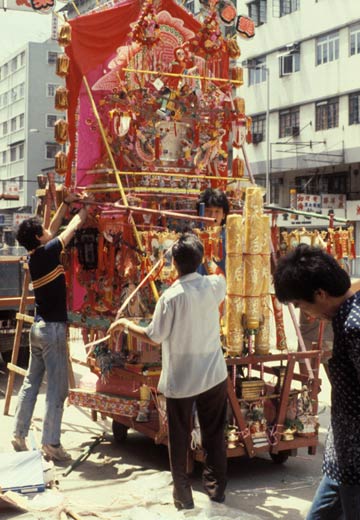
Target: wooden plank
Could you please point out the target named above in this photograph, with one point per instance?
(24, 317)
(17, 341)
(16, 369)
(14, 301)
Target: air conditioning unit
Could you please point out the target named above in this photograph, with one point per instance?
(257, 138)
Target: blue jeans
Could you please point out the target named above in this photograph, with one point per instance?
(48, 353)
(335, 501)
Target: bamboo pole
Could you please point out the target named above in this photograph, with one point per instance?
(190, 76)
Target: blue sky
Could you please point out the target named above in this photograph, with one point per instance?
(17, 28)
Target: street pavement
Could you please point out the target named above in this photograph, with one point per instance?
(131, 481)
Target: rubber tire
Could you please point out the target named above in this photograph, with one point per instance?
(279, 458)
(120, 431)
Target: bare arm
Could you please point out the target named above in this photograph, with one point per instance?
(57, 219)
(75, 223)
(132, 328)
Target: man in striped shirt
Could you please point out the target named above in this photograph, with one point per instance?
(48, 350)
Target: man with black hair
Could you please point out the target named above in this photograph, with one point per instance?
(186, 323)
(48, 350)
(216, 207)
(313, 281)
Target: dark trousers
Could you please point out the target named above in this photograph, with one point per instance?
(211, 408)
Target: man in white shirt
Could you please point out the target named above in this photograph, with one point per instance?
(186, 323)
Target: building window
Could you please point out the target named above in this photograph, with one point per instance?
(3, 157)
(258, 128)
(327, 114)
(14, 64)
(50, 120)
(51, 150)
(21, 120)
(327, 48)
(190, 6)
(13, 124)
(21, 151)
(355, 40)
(21, 89)
(22, 58)
(257, 70)
(4, 128)
(257, 11)
(6, 70)
(354, 108)
(326, 183)
(13, 94)
(289, 63)
(51, 89)
(13, 154)
(289, 122)
(52, 57)
(5, 99)
(289, 6)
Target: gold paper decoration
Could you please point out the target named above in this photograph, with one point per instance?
(64, 34)
(234, 284)
(61, 98)
(252, 256)
(62, 65)
(61, 163)
(239, 105)
(262, 338)
(61, 133)
(236, 73)
(238, 167)
(233, 48)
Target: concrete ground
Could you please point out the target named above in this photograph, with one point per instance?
(132, 481)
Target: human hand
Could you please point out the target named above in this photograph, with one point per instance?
(70, 197)
(87, 198)
(118, 325)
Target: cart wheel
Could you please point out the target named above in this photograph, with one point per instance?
(120, 431)
(279, 458)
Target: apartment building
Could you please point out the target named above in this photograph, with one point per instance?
(27, 115)
(302, 91)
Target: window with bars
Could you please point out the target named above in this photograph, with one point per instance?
(14, 64)
(289, 63)
(327, 114)
(257, 11)
(50, 120)
(258, 128)
(51, 149)
(354, 108)
(354, 33)
(327, 183)
(257, 70)
(288, 6)
(52, 57)
(51, 89)
(327, 48)
(289, 122)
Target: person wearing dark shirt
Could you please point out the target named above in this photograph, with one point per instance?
(48, 349)
(216, 206)
(313, 281)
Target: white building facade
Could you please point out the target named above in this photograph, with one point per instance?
(27, 115)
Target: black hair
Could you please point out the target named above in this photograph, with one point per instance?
(303, 271)
(214, 198)
(27, 232)
(188, 253)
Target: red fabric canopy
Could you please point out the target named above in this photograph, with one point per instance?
(94, 38)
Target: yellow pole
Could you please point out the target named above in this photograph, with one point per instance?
(117, 176)
(237, 82)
